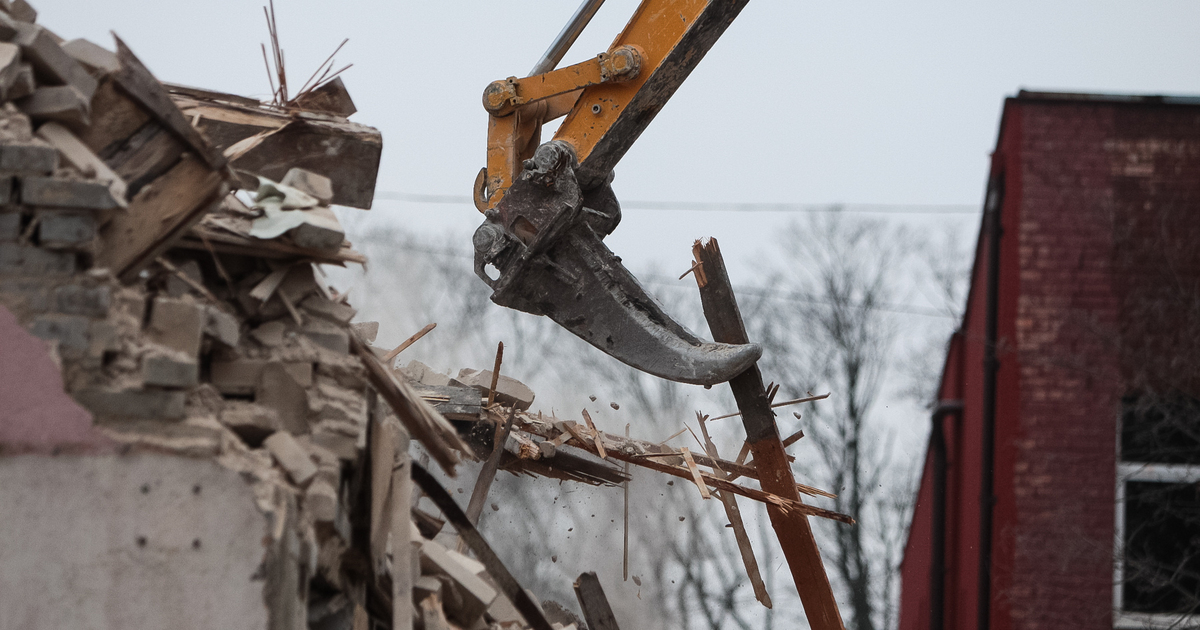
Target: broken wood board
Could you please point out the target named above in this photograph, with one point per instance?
(508, 585)
(425, 424)
(345, 152)
(596, 610)
(734, 514)
(158, 215)
(775, 474)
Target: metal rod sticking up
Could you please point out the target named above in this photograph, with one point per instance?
(566, 37)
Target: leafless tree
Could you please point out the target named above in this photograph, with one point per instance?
(840, 336)
(828, 327)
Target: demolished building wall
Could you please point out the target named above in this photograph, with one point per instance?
(194, 431)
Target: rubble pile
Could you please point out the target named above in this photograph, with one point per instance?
(177, 287)
(177, 361)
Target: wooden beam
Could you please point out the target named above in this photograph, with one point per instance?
(775, 474)
(729, 501)
(402, 549)
(499, 573)
(596, 611)
(487, 474)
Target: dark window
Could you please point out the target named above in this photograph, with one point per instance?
(1161, 430)
(1160, 517)
(1162, 547)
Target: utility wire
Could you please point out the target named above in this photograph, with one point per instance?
(703, 206)
(790, 296)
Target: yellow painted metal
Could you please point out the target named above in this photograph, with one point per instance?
(655, 29)
(608, 87)
(501, 98)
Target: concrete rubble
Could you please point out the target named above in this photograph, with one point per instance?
(193, 432)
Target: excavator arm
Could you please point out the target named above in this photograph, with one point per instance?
(547, 207)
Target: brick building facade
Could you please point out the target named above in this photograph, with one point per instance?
(1066, 415)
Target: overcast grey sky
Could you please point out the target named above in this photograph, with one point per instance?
(819, 102)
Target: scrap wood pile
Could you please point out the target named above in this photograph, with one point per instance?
(165, 242)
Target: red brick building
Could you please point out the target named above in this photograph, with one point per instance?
(1060, 487)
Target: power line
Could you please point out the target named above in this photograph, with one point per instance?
(717, 206)
(790, 296)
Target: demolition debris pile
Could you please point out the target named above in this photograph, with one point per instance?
(179, 363)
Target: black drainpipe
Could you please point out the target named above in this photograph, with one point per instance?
(937, 571)
(991, 364)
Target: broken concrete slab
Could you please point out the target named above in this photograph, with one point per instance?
(368, 331)
(163, 369)
(10, 226)
(142, 404)
(59, 103)
(252, 421)
(70, 331)
(77, 154)
(319, 186)
(93, 57)
(291, 457)
(51, 64)
(320, 230)
(476, 593)
(418, 372)
(241, 376)
(17, 259)
(329, 309)
(281, 391)
(34, 156)
(162, 532)
(57, 192)
(509, 391)
(270, 334)
(71, 230)
(321, 501)
(327, 335)
(222, 326)
(74, 299)
(177, 324)
(21, 11)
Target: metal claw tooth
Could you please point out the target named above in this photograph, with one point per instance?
(553, 262)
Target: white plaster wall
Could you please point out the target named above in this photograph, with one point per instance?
(70, 555)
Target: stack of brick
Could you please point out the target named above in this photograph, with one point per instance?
(194, 325)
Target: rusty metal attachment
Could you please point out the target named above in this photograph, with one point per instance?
(544, 238)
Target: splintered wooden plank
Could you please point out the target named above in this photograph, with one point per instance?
(499, 573)
(775, 474)
(696, 477)
(402, 524)
(158, 215)
(595, 435)
(115, 117)
(346, 152)
(487, 474)
(734, 514)
(596, 611)
(425, 424)
(135, 80)
(382, 440)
